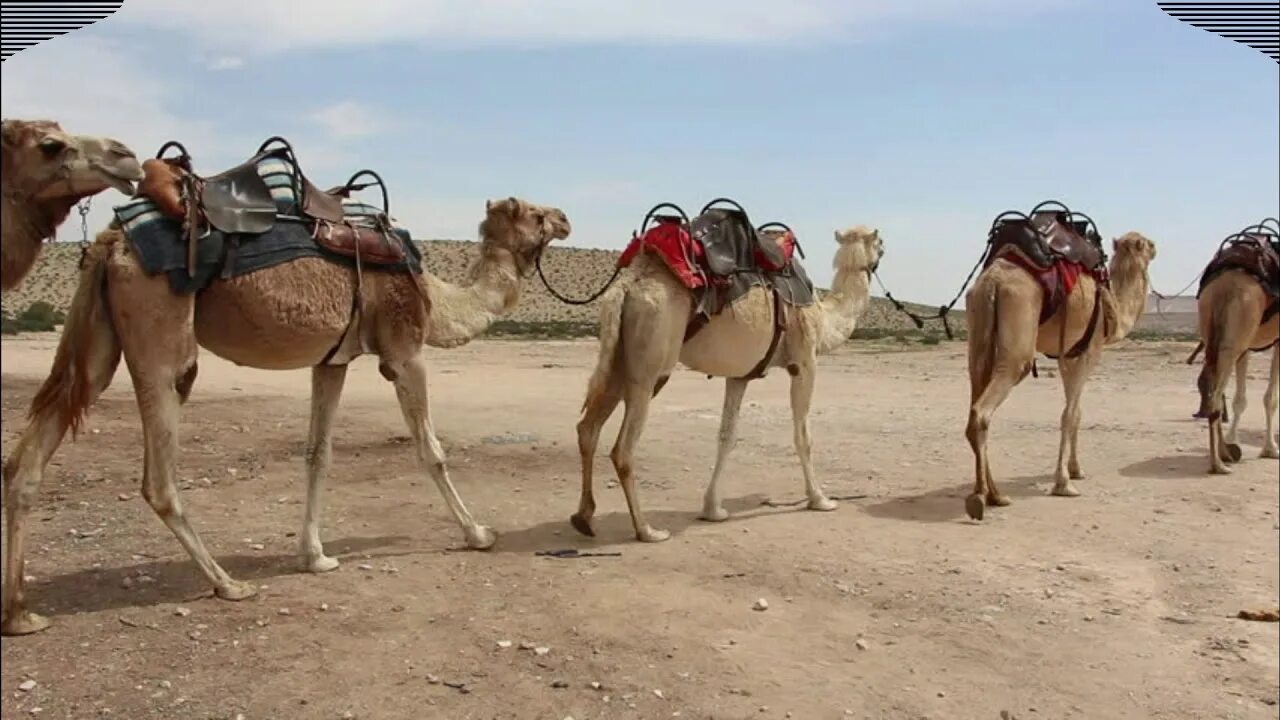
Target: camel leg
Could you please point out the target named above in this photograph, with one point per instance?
(1075, 373)
(594, 416)
(801, 399)
(326, 391)
(1269, 402)
(1219, 454)
(637, 399)
(1238, 405)
(23, 473)
(411, 389)
(734, 389)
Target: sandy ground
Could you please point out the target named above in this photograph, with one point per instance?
(1117, 604)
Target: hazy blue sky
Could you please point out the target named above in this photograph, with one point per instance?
(925, 119)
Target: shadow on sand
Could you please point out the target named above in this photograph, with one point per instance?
(177, 580)
(947, 504)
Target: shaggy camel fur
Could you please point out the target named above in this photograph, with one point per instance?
(1231, 308)
(279, 318)
(642, 325)
(1002, 311)
(45, 172)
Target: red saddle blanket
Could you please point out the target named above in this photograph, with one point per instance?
(685, 256)
(1057, 281)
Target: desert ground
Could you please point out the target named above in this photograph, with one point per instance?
(1117, 604)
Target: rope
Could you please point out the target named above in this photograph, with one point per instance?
(570, 301)
(943, 310)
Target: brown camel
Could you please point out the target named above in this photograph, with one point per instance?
(1002, 311)
(642, 325)
(1238, 315)
(283, 317)
(46, 171)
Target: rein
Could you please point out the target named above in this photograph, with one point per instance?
(943, 310)
(568, 300)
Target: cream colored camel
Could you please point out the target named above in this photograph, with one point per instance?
(45, 172)
(1002, 310)
(280, 318)
(642, 325)
(1231, 308)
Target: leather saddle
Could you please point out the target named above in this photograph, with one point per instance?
(1046, 236)
(1254, 250)
(731, 245)
(238, 201)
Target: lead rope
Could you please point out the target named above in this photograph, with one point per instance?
(943, 310)
(570, 301)
(82, 207)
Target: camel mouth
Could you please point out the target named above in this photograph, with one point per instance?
(123, 185)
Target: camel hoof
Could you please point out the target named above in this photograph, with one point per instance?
(974, 507)
(650, 535)
(998, 500)
(1232, 452)
(319, 564)
(582, 524)
(480, 538)
(1076, 474)
(24, 623)
(716, 514)
(1065, 490)
(1217, 469)
(823, 504)
(1270, 453)
(236, 590)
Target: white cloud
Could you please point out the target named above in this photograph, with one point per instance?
(350, 119)
(243, 24)
(227, 62)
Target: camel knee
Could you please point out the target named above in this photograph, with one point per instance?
(160, 500)
(977, 427)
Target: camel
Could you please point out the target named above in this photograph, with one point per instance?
(1233, 318)
(642, 326)
(1002, 311)
(280, 318)
(46, 171)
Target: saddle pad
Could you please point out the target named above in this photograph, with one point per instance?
(161, 248)
(677, 250)
(1057, 281)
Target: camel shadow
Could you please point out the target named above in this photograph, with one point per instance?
(947, 504)
(614, 528)
(1184, 466)
(177, 580)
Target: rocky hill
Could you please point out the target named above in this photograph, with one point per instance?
(575, 272)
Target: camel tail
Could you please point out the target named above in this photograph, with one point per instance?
(88, 347)
(611, 306)
(982, 336)
(1207, 382)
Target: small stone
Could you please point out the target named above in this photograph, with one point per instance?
(165, 684)
(596, 685)
(365, 566)
(324, 607)
(182, 612)
(126, 583)
(124, 496)
(504, 644)
(559, 684)
(540, 651)
(283, 611)
(27, 685)
(761, 605)
(257, 546)
(861, 644)
(658, 694)
(941, 694)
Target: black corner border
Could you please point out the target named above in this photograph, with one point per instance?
(27, 23)
(1256, 24)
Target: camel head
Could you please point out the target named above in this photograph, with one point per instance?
(44, 164)
(523, 229)
(860, 249)
(1133, 247)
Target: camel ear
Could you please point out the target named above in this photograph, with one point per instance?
(10, 131)
(488, 205)
(837, 234)
(516, 206)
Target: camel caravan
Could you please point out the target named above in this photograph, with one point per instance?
(260, 267)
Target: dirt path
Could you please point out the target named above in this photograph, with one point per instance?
(1117, 604)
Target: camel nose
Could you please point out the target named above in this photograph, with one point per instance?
(119, 149)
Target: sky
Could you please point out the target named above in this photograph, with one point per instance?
(925, 119)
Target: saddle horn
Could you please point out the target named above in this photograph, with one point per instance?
(351, 186)
(652, 215)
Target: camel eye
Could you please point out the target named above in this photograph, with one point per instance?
(51, 147)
